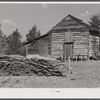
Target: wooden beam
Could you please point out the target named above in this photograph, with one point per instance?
(99, 41)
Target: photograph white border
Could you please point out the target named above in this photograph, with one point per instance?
(49, 92)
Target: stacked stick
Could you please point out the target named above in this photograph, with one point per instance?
(10, 66)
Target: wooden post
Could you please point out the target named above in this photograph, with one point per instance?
(65, 56)
(26, 50)
(99, 40)
(76, 57)
(88, 45)
(81, 57)
(65, 61)
(69, 64)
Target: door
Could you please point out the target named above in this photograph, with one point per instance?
(68, 50)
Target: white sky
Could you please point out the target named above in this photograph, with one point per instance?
(45, 16)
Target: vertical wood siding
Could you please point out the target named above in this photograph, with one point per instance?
(68, 50)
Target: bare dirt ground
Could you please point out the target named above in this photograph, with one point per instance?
(85, 74)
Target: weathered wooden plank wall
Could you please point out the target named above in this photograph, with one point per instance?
(57, 44)
(76, 32)
(80, 43)
(33, 48)
(93, 44)
(68, 30)
(42, 46)
(45, 41)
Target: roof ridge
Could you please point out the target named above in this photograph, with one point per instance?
(74, 18)
(80, 21)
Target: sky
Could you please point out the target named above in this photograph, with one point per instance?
(45, 16)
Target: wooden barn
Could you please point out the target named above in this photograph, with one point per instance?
(70, 37)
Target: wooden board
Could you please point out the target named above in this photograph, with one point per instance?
(93, 44)
(68, 50)
(33, 49)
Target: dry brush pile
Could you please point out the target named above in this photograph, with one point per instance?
(20, 67)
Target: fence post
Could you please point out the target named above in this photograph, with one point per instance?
(69, 64)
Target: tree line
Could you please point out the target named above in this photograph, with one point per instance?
(13, 43)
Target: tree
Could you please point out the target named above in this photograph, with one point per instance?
(4, 42)
(33, 33)
(95, 24)
(38, 33)
(14, 43)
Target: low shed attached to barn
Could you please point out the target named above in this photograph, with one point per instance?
(70, 37)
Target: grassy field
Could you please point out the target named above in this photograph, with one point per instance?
(85, 74)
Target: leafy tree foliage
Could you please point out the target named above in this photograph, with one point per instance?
(33, 33)
(4, 42)
(14, 43)
(95, 22)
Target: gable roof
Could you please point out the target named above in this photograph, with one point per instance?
(72, 17)
(79, 21)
